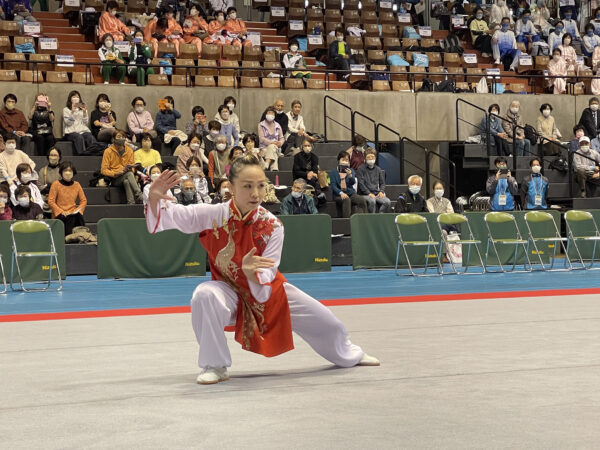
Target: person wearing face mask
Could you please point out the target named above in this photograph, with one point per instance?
(480, 34)
(525, 30)
(280, 116)
(357, 151)
(438, 203)
(296, 130)
(568, 53)
(343, 179)
(233, 117)
(194, 29)
(218, 160)
(166, 123)
(499, 10)
(504, 46)
(187, 193)
(217, 34)
(534, 188)
(294, 61)
(590, 42)
(208, 140)
(586, 163)
(75, 126)
(42, 121)
(140, 122)
(154, 172)
(590, 118)
(11, 159)
(236, 29)
(140, 52)
(146, 156)
(546, 128)
(502, 187)
(109, 23)
(297, 202)
(498, 144)
(571, 25)
(222, 192)
(306, 167)
(67, 200)
(555, 38)
(13, 123)
(199, 123)
(50, 173)
(195, 173)
(5, 209)
(412, 201)
(111, 59)
(270, 136)
(557, 68)
(185, 152)
(164, 29)
(25, 209)
(539, 18)
(118, 163)
(522, 144)
(19, 11)
(339, 55)
(371, 184)
(227, 126)
(26, 177)
(104, 119)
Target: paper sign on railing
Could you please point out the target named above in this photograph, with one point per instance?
(404, 18)
(296, 25)
(73, 3)
(357, 69)
(492, 71)
(458, 21)
(65, 60)
(48, 43)
(277, 11)
(470, 58)
(425, 31)
(525, 60)
(124, 47)
(254, 37)
(315, 39)
(31, 27)
(260, 1)
(385, 5)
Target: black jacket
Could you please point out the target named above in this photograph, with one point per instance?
(587, 122)
(304, 163)
(333, 50)
(409, 203)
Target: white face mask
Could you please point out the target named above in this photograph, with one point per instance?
(224, 191)
(108, 43)
(270, 117)
(193, 12)
(294, 48)
(75, 100)
(360, 149)
(114, 12)
(231, 106)
(536, 169)
(154, 176)
(514, 110)
(233, 16)
(546, 112)
(370, 162)
(139, 109)
(221, 147)
(585, 148)
(414, 189)
(296, 194)
(3, 200)
(24, 201)
(25, 178)
(195, 146)
(255, 151)
(10, 148)
(307, 149)
(594, 107)
(439, 193)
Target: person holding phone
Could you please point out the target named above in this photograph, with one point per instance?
(118, 163)
(343, 180)
(502, 187)
(66, 199)
(75, 124)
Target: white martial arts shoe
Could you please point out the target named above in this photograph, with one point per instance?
(368, 361)
(213, 375)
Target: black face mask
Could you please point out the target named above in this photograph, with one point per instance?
(42, 109)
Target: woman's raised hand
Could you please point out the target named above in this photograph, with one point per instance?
(159, 188)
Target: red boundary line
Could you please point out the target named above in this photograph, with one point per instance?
(337, 302)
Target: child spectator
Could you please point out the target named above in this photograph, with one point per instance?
(295, 62)
(67, 200)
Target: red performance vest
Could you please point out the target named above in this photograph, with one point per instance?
(263, 328)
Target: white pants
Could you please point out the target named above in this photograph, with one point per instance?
(214, 306)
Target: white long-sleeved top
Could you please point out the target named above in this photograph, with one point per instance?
(75, 121)
(505, 39)
(294, 124)
(554, 40)
(571, 28)
(590, 43)
(523, 28)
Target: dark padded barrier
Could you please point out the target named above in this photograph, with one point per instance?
(307, 243)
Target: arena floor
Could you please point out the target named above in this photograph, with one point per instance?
(494, 361)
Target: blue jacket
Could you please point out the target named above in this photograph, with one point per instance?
(166, 121)
(229, 131)
(503, 186)
(532, 185)
(336, 183)
(495, 127)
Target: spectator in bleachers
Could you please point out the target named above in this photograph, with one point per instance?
(218, 160)
(194, 167)
(19, 10)
(568, 53)
(42, 122)
(306, 167)
(357, 151)
(166, 122)
(498, 144)
(294, 60)
(49, 173)
(297, 202)
(13, 123)
(251, 144)
(499, 10)
(104, 119)
(199, 124)
(192, 150)
(438, 203)
(371, 184)
(227, 126)
(567, 5)
(557, 67)
(235, 153)
(236, 29)
(111, 59)
(155, 172)
(208, 141)
(164, 29)
(587, 166)
(412, 201)
(590, 41)
(555, 38)
(480, 36)
(270, 135)
(233, 117)
(10, 159)
(140, 52)
(296, 133)
(571, 25)
(25, 177)
(525, 30)
(540, 14)
(280, 116)
(75, 124)
(187, 195)
(25, 209)
(523, 145)
(343, 179)
(140, 122)
(110, 24)
(217, 34)
(146, 156)
(67, 200)
(118, 163)
(502, 187)
(547, 129)
(194, 29)
(339, 55)
(534, 188)
(595, 21)
(590, 118)
(578, 132)
(504, 46)
(5, 209)
(223, 192)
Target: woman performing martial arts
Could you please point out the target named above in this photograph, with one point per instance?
(244, 241)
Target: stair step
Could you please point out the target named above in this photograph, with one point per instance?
(58, 31)
(63, 23)
(48, 15)
(88, 46)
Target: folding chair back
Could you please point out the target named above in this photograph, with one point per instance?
(4, 288)
(582, 228)
(542, 229)
(467, 239)
(503, 230)
(413, 231)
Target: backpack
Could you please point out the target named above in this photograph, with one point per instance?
(540, 49)
(420, 60)
(410, 33)
(559, 164)
(452, 44)
(446, 86)
(427, 86)
(531, 134)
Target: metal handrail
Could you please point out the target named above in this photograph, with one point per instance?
(425, 150)
(325, 116)
(459, 119)
(353, 122)
(452, 165)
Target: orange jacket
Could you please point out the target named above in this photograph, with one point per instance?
(236, 26)
(215, 27)
(110, 24)
(173, 28)
(198, 23)
(113, 163)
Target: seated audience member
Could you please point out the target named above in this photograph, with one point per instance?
(140, 53)
(67, 200)
(222, 192)
(19, 11)
(339, 55)
(250, 144)
(187, 195)
(295, 62)
(194, 167)
(499, 10)
(25, 177)
(568, 53)
(10, 159)
(342, 185)
(578, 133)
(110, 24)
(13, 123)
(218, 160)
(25, 209)
(236, 29)
(146, 156)
(306, 167)
(480, 36)
(280, 116)
(586, 163)
(227, 126)
(140, 122)
(555, 38)
(557, 68)
(502, 187)
(164, 29)
(438, 203)
(523, 145)
(297, 202)
(50, 173)
(371, 184)
(185, 152)
(498, 143)
(595, 20)
(217, 34)
(166, 122)
(525, 30)
(534, 188)
(5, 209)
(233, 117)
(234, 153)
(104, 119)
(199, 124)
(590, 118)
(412, 201)
(208, 140)
(540, 16)
(571, 25)
(118, 164)
(504, 46)
(546, 128)
(357, 151)
(194, 29)
(75, 124)
(270, 135)
(296, 130)
(154, 173)
(590, 40)
(111, 59)
(42, 121)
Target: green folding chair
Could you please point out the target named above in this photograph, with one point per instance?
(538, 219)
(581, 227)
(30, 227)
(416, 225)
(3, 277)
(508, 223)
(459, 220)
